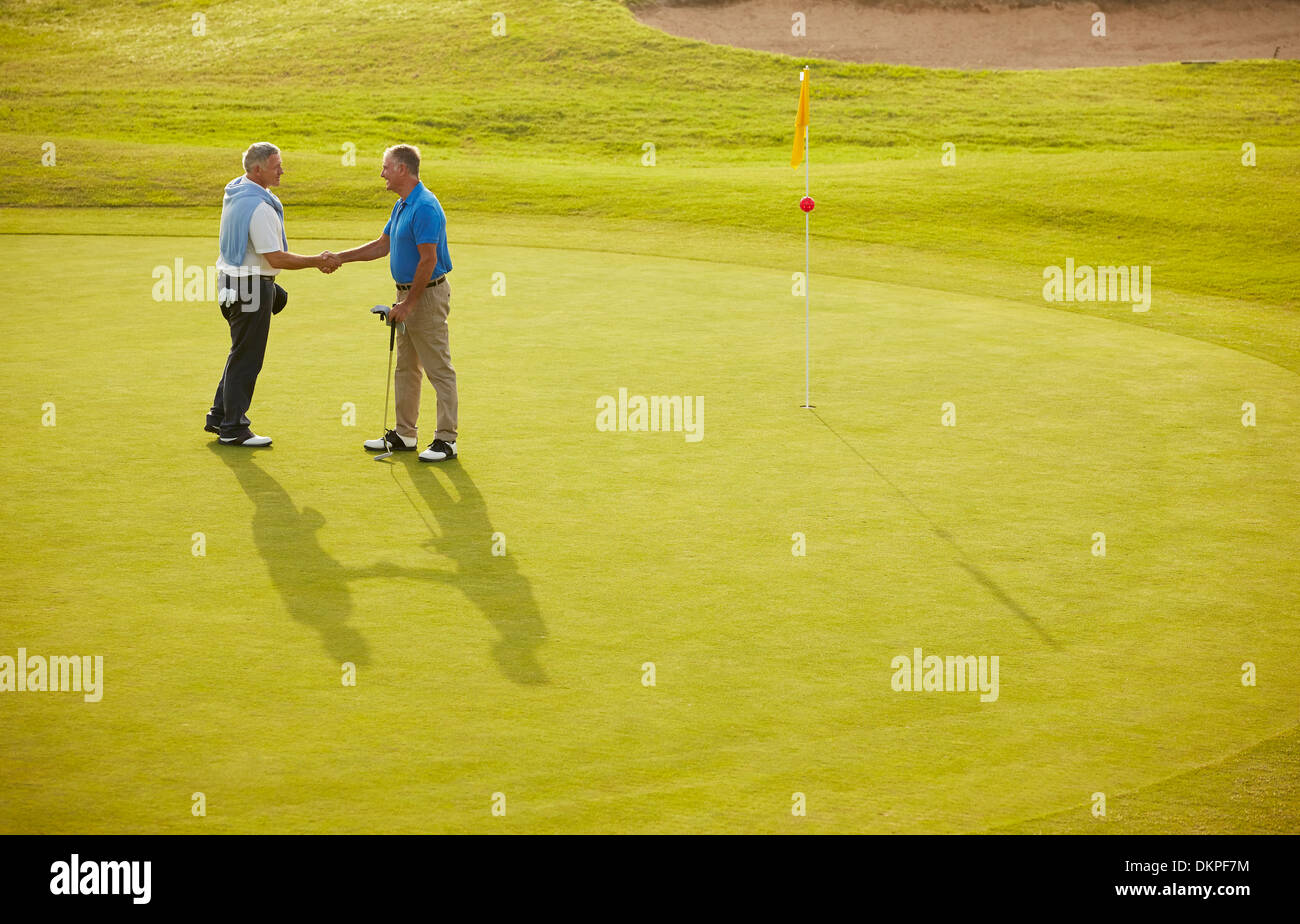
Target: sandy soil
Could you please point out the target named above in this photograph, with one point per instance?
(997, 36)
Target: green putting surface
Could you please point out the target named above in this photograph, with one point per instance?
(522, 673)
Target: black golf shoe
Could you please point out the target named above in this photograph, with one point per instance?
(392, 441)
(248, 438)
(438, 451)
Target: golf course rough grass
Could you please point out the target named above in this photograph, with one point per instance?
(522, 674)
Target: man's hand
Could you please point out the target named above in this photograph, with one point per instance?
(328, 262)
(397, 314)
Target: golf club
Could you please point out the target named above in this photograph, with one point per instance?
(382, 311)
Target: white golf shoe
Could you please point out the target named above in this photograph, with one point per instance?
(390, 441)
(252, 440)
(438, 451)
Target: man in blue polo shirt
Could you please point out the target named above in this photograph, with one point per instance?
(415, 242)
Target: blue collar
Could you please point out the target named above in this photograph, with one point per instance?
(417, 188)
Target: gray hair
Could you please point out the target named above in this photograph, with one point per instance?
(259, 153)
(407, 154)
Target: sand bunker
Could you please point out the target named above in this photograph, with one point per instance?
(995, 36)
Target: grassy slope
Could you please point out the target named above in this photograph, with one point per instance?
(1134, 165)
(1138, 166)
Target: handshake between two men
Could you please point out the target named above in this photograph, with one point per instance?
(327, 262)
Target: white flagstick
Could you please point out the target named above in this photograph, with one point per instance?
(807, 271)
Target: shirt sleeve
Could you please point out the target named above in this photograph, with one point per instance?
(264, 229)
(428, 226)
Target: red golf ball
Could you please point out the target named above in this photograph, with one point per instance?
(807, 204)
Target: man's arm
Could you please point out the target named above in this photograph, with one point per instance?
(266, 233)
(372, 251)
(423, 273)
(326, 262)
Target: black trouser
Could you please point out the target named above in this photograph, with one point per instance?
(249, 317)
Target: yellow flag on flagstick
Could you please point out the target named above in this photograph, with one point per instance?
(800, 120)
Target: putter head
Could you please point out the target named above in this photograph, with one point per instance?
(384, 455)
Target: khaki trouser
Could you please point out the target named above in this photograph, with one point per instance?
(424, 347)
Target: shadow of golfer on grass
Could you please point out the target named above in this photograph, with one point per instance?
(313, 586)
(490, 582)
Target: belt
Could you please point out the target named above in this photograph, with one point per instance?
(403, 286)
